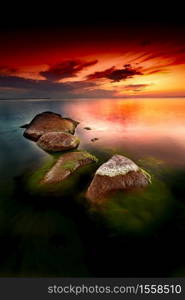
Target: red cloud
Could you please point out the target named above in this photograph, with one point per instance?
(116, 74)
(66, 69)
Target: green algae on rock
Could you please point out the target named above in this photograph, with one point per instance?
(58, 141)
(48, 122)
(67, 164)
(118, 173)
(75, 167)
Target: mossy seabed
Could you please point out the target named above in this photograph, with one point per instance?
(137, 212)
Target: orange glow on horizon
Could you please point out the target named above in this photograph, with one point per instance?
(158, 62)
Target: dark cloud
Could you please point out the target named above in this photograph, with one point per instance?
(116, 75)
(66, 69)
(11, 84)
(21, 87)
(33, 88)
(16, 82)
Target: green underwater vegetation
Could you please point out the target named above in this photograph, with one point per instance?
(53, 231)
(136, 212)
(132, 212)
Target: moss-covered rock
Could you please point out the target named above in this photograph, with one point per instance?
(118, 173)
(66, 164)
(62, 174)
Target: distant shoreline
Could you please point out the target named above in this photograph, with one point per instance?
(78, 99)
(25, 98)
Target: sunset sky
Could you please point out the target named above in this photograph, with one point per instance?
(93, 61)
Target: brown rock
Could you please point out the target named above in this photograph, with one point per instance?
(58, 141)
(48, 122)
(66, 165)
(118, 173)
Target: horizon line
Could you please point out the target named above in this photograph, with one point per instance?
(78, 98)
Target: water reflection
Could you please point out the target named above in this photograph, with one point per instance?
(153, 127)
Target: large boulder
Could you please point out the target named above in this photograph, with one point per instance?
(66, 165)
(118, 173)
(58, 141)
(48, 122)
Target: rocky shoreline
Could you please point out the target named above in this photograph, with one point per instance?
(53, 133)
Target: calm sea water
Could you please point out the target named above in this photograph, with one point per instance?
(52, 242)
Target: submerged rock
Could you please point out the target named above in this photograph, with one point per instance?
(87, 128)
(58, 141)
(48, 122)
(66, 165)
(118, 173)
(94, 139)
